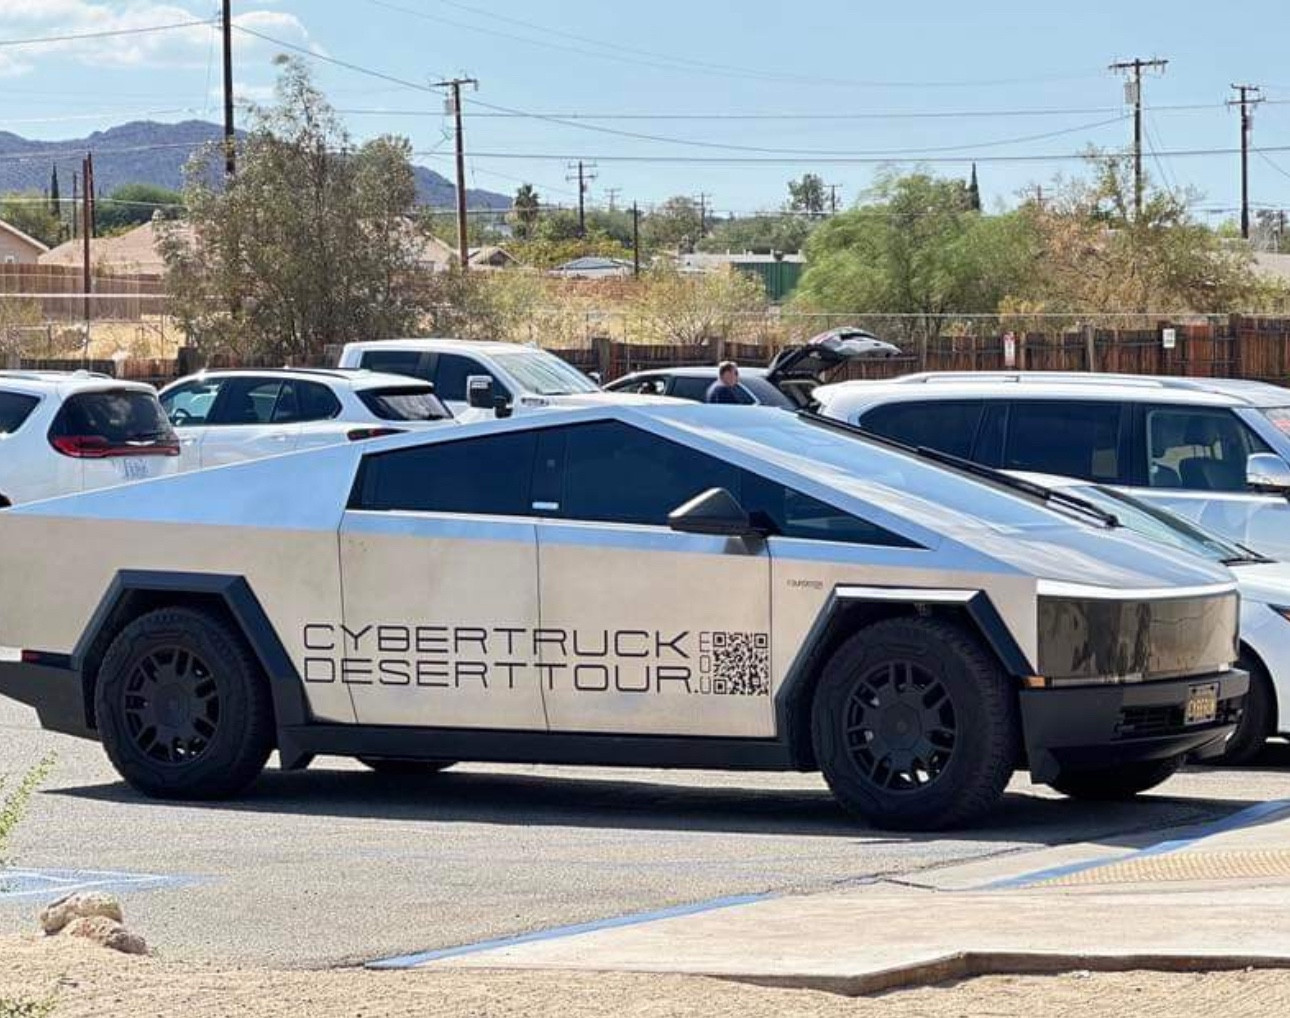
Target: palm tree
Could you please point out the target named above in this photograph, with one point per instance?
(525, 210)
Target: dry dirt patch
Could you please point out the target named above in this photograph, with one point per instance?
(85, 980)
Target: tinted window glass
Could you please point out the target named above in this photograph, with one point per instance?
(478, 475)
(1202, 450)
(948, 426)
(620, 474)
(15, 407)
(305, 401)
(118, 417)
(766, 393)
(411, 403)
(246, 401)
(398, 362)
(689, 387)
(1071, 439)
(190, 404)
(794, 514)
(454, 369)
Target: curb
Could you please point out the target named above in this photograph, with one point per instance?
(973, 964)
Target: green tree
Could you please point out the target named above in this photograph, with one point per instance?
(525, 211)
(915, 249)
(807, 195)
(29, 211)
(131, 205)
(674, 225)
(762, 234)
(313, 242)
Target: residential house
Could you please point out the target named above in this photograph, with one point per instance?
(16, 248)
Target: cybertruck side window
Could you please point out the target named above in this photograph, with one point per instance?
(483, 476)
(948, 425)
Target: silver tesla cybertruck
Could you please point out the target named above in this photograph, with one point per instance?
(657, 586)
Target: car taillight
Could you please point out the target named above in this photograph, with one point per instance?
(361, 434)
(96, 447)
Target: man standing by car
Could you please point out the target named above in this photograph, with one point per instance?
(726, 388)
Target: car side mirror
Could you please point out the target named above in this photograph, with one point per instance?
(479, 392)
(1266, 471)
(595, 376)
(715, 512)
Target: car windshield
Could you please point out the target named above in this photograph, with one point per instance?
(1280, 418)
(1163, 526)
(405, 403)
(544, 374)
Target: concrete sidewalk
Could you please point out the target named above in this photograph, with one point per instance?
(1214, 897)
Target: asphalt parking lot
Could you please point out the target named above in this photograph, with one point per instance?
(336, 865)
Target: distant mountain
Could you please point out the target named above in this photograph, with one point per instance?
(144, 151)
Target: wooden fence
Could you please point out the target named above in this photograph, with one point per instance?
(58, 291)
(1239, 347)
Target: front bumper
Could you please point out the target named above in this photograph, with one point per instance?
(56, 693)
(1087, 727)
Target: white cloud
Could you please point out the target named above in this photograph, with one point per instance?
(188, 47)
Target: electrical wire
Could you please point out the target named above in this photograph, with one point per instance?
(104, 34)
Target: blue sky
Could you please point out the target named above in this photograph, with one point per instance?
(938, 79)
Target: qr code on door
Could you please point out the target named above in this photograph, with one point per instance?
(737, 664)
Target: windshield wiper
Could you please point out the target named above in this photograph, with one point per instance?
(1048, 496)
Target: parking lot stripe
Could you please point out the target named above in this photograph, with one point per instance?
(1247, 817)
(408, 961)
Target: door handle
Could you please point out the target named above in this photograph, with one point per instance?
(547, 507)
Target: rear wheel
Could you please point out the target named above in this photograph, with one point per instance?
(1258, 719)
(1112, 784)
(183, 709)
(401, 767)
(915, 725)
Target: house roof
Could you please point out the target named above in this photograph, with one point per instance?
(592, 263)
(12, 230)
(134, 250)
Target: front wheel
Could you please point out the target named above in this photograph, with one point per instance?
(1258, 719)
(182, 706)
(1114, 784)
(915, 725)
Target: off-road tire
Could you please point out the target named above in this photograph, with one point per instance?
(1115, 784)
(217, 694)
(1258, 719)
(402, 767)
(985, 747)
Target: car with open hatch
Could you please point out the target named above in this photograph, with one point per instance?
(667, 585)
(1215, 450)
(64, 432)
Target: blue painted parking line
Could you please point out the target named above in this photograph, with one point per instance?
(408, 961)
(46, 884)
(1242, 818)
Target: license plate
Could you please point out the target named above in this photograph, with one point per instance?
(134, 468)
(1202, 704)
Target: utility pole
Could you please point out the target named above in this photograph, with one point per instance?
(76, 232)
(612, 193)
(1250, 98)
(463, 244)
(87, 233)
(702, 199)
(230, 160)
(636, 239)
(1133, 91)
(583, 176)
(833, 198)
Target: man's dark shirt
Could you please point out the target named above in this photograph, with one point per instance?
(719, 392)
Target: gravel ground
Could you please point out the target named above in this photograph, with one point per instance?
(83, 980)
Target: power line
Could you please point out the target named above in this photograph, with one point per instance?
(104, 34)
(1133, 92)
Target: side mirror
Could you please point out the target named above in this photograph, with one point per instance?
(502, 406)
(595, 377)
(715, 512)
(479, 392)
(1265, 471)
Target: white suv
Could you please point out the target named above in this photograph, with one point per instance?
(523, 377)
(62, 433)
(230, 416)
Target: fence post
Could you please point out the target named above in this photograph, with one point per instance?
(1238, 361)
(188, 361)
(602, 347)
(1090, 349)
